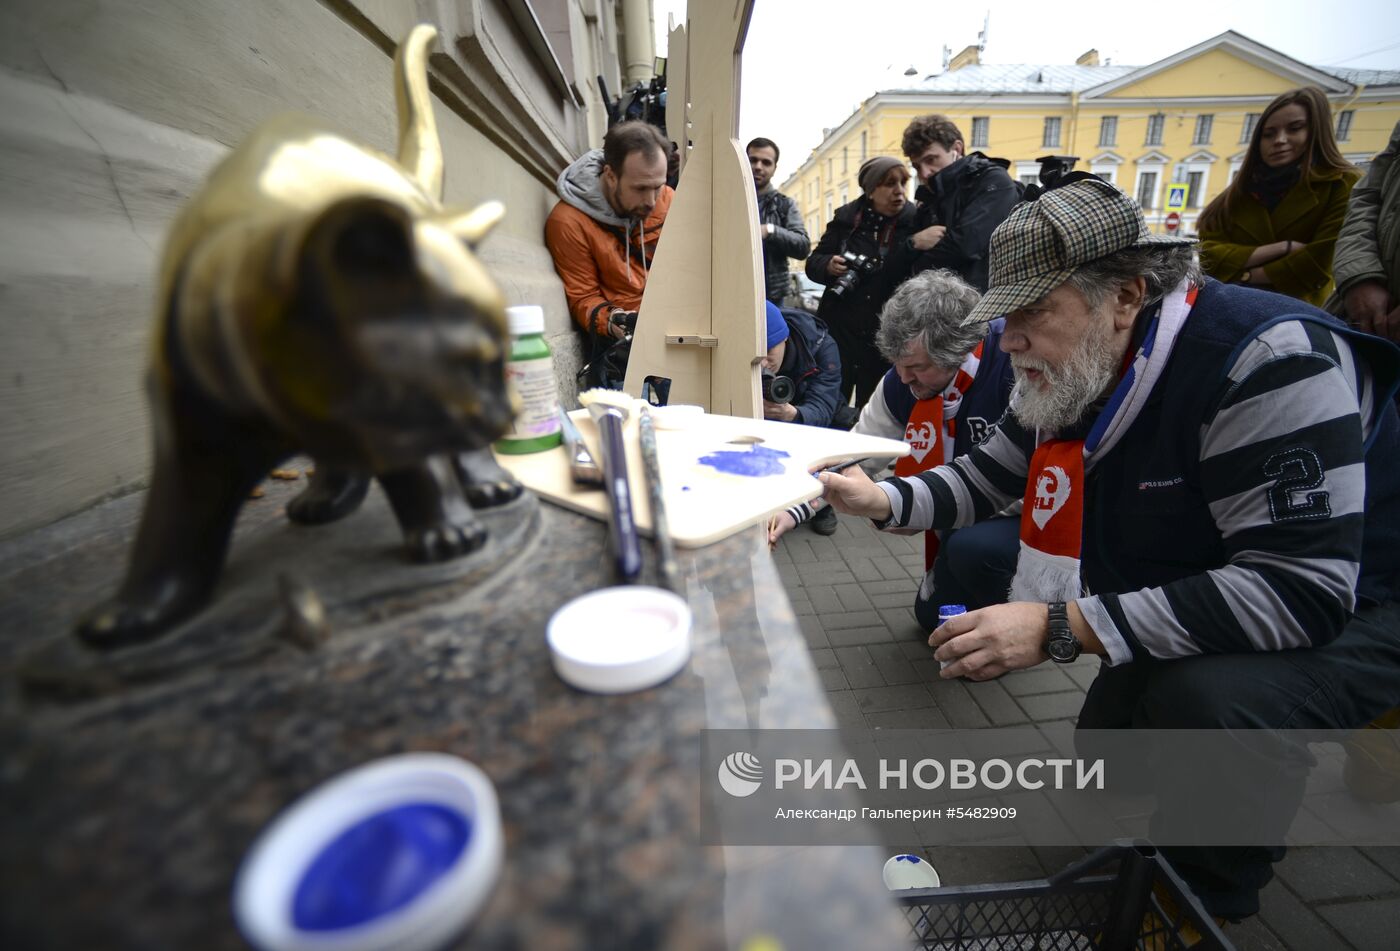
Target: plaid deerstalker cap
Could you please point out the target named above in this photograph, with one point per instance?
(1042, 242)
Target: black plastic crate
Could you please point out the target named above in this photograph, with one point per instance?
(1120, 897)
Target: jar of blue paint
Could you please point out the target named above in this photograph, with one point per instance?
(399, 853)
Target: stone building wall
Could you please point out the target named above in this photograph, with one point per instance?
(111, 115)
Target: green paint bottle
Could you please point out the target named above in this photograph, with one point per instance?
(530, 374)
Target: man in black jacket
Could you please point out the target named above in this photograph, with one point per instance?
(962, 199)
(779, 223)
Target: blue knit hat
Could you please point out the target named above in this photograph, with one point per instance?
(777, 325)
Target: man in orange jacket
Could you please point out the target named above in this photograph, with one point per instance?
(603, 232)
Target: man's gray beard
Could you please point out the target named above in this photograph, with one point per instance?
(1070, 388)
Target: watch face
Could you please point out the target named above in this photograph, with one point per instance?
(1063, 649)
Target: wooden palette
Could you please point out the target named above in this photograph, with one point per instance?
(703, 503)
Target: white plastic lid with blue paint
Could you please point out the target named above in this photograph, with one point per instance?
(909, 871)
(400, 854)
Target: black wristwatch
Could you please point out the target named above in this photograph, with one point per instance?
(1061, 645)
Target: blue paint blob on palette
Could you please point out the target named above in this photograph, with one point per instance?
(753, 461)
(379, 865)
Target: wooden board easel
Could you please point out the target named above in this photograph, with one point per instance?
(701, 322)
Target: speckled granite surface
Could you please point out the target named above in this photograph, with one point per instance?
(125, 814)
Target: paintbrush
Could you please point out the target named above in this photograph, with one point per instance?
(665, 546)
(582, 466)
(609, 409)
(840, 466)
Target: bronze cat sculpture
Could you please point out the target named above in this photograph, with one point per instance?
(316, 297)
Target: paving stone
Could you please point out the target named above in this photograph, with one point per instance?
(1319, 873)
(922, 718)
(1284, 914)
(1053, 706)
(890, 569)
(980, 864)
(1043, 679)
(824, 600)
(892, 664)
(853, 597)
(821, 575)
(1387, 857)
(914, 648)
(957, 704)
(926, 669)
(847, 710)
(890, 602)
(887, 587)
(1082, 674)
(800, 605)
(1369, 926)
(1253, 935)
(824, 658)
(799, 550)
(904, 697)
(812, 631)
(996, 703)
(847, 637)
(859, 668)
(837, 620)
(1057, 858)
(865, 571)
(790, 577)
(833, 678)
(901, 623)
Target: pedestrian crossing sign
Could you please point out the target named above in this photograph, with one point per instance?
(1176, 196)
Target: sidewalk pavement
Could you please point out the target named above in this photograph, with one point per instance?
(853, 593)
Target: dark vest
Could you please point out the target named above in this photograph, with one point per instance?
(1146, 521)
(982, 405)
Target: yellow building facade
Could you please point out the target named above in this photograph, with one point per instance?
(1185, 119)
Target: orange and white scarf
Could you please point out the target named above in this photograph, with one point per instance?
(1052, 521)
(931, 432)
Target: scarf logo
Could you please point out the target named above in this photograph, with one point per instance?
(920, 439)
(1051, 493)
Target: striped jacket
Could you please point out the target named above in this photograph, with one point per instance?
(1250, 502)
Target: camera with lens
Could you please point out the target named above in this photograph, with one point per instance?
(778, 389)
(627, 320)
(857, 267)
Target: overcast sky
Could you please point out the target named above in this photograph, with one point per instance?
(809, 63)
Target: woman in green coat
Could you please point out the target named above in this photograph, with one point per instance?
(1275, 225)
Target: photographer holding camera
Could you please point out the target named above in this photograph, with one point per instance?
(802, 372)
(850, 259)
(602, 235)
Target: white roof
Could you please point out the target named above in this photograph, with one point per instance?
(1017, 78)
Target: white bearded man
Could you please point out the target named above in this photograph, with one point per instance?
(1211, 501)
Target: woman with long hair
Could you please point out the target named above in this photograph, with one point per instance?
(1275, 225)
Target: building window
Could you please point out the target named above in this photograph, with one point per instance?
(863, 155)
(845, 160)
(1108, 130)
(829, 210)
(1193, 188)
(1203, 124)
(1147, 190)
(845, 196)
(1344, 125)
(979, 131)
(1251, 119)
(1154, 129)
(1051, 138)
(1106, 172)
